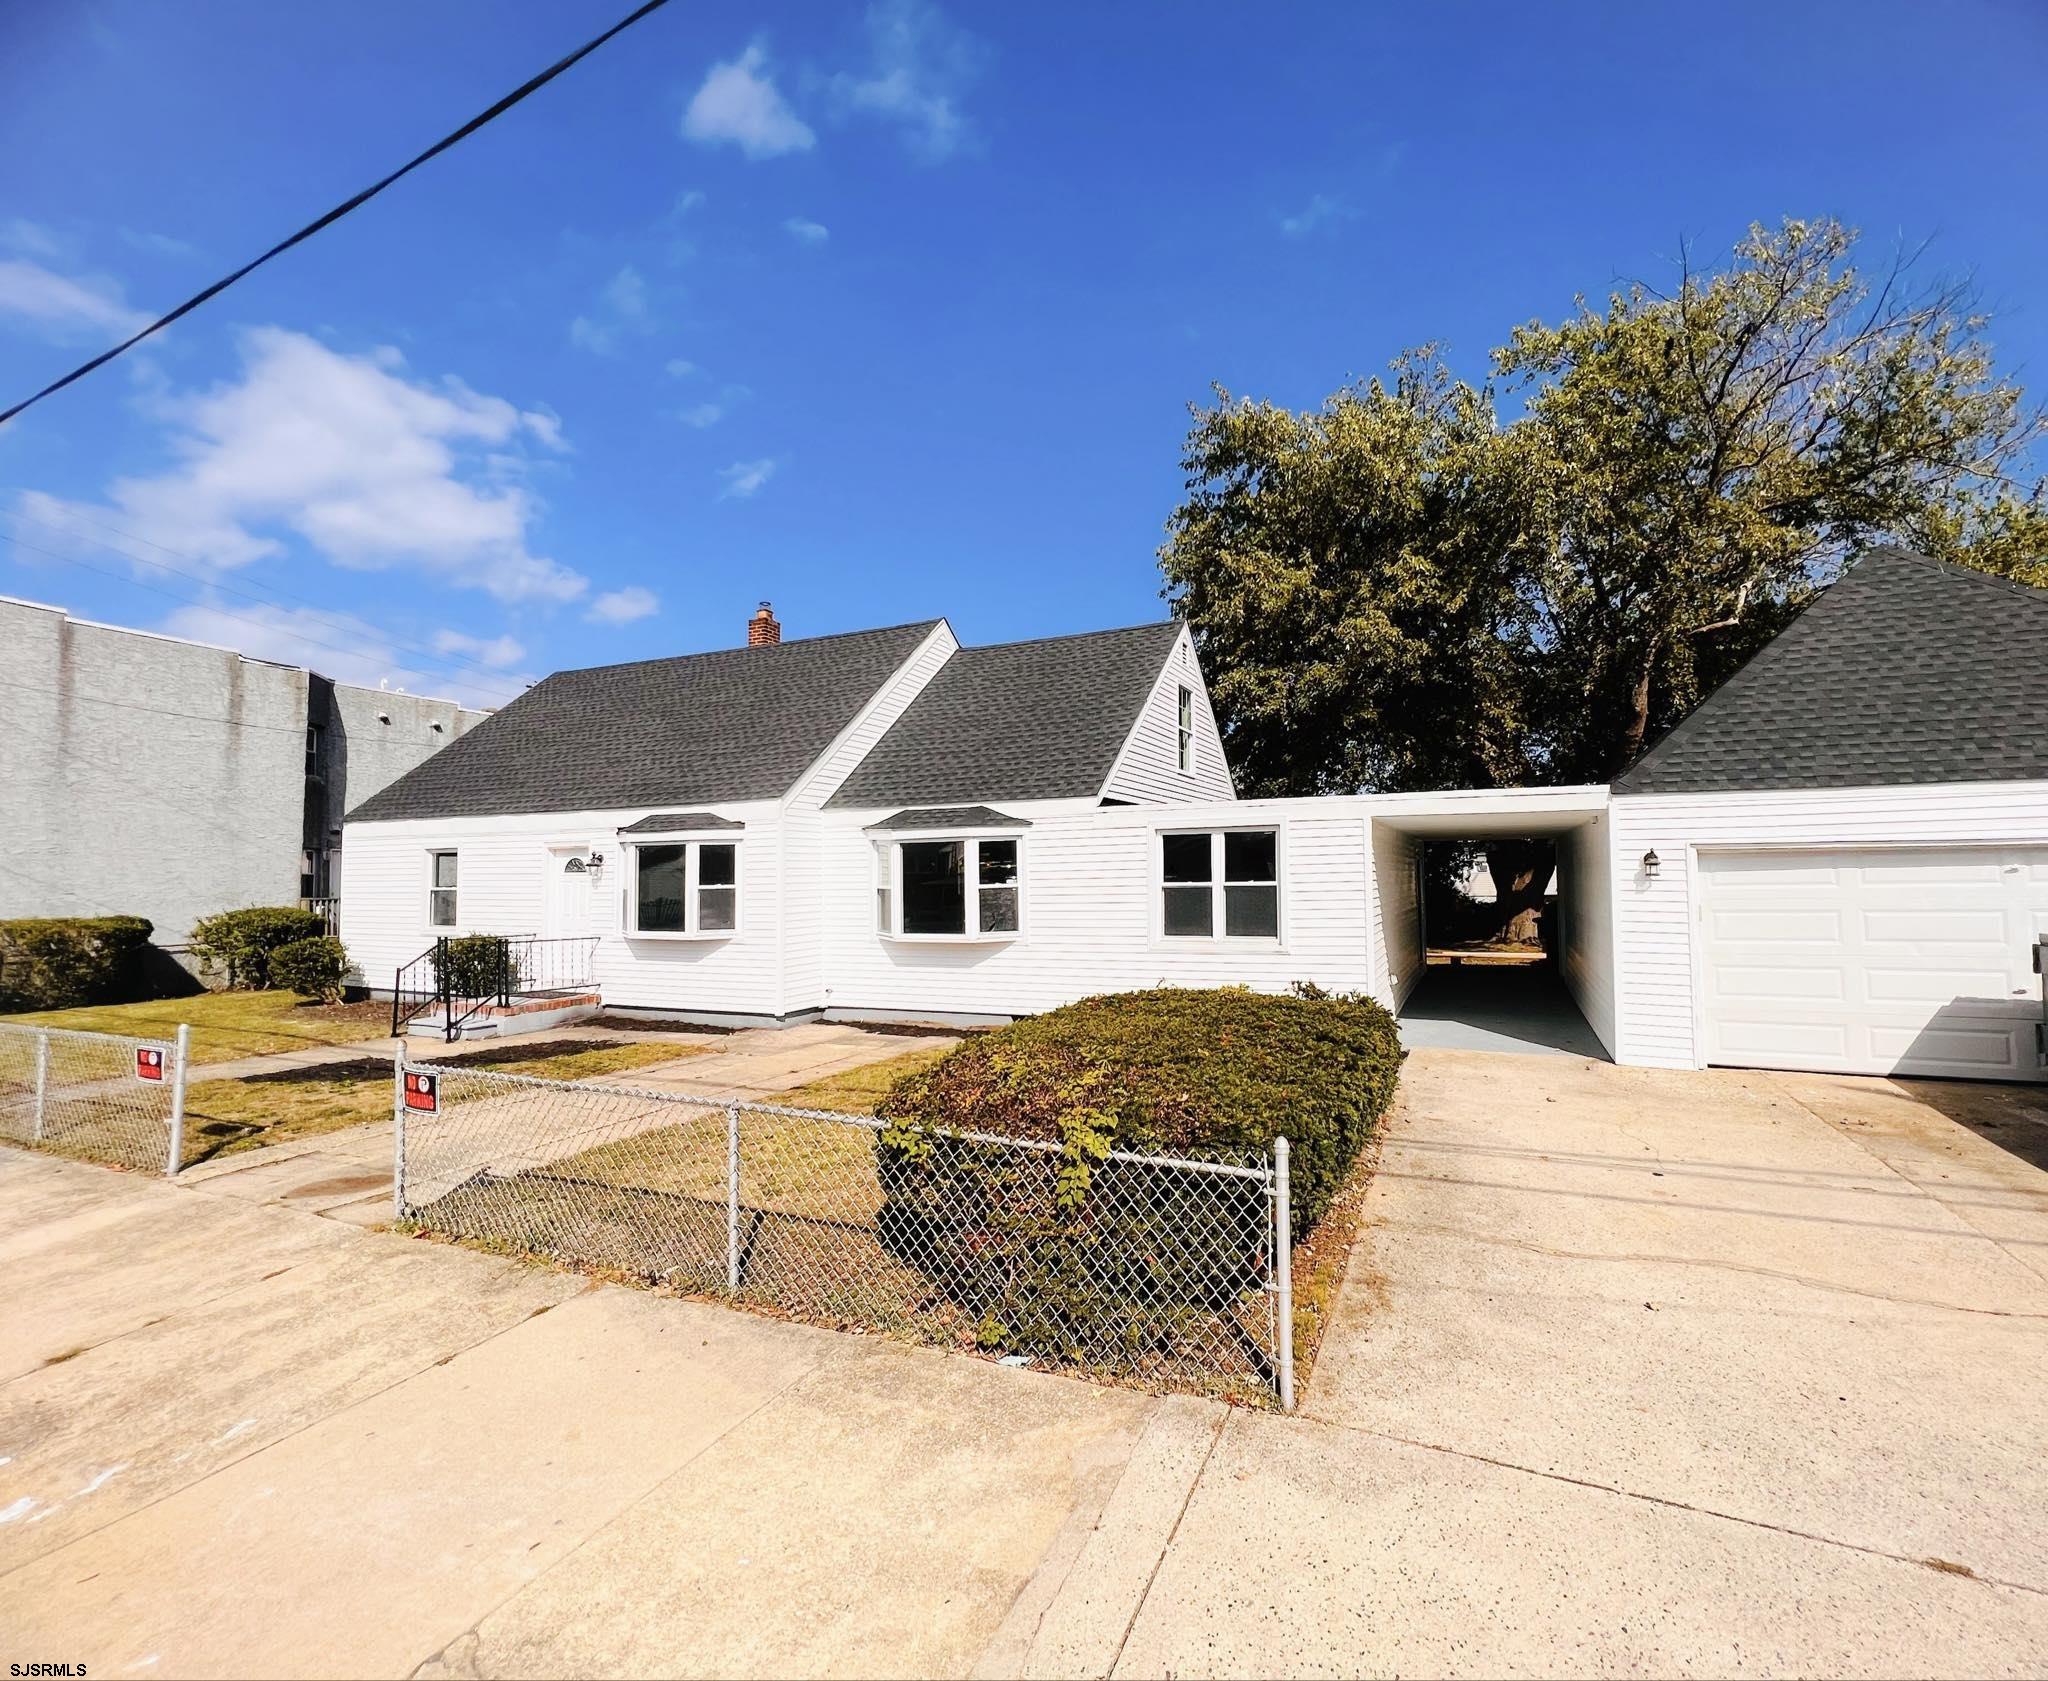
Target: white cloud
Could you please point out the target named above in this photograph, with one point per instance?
(621, 311)
(495, 651)
(689, 199)
(159, 244)
(806, 233)
(622, 607)
(1321, 211)
(743, 478)
(18, 233)
(371, 468)
(920, 65)
(63, 307)
(703, 415)
(337, 645)
(740, 104)
(678, 368)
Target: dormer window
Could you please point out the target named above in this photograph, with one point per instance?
(1187, 728)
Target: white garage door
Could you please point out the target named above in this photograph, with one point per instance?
(1877, 962)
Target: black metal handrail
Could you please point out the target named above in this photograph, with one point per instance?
(466, 976)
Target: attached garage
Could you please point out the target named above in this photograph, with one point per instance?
(1839, 862)
(1898, 960)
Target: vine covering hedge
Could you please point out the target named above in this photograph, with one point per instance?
(59, 962)
(1065, 1251)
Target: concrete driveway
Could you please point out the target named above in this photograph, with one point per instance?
(1634, 1373)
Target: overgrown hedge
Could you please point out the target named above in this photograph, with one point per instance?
(237, 944)
(59, 962)
(312, 968)
(1071, 1254)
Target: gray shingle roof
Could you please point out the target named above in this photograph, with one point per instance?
(1905, 670)
(1018, 721)
(951, 817)
(680, 822)
(735, 724)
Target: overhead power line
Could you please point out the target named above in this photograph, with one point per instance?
(340, 210)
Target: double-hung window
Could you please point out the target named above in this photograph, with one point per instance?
(1187, 729)
(441, 879)
(959, 889)
(686, 888)
(1220, 882)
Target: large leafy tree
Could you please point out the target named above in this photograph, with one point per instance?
(1398, 591)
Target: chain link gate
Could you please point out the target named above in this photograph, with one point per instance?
(1168, 1271)
(99, 1096)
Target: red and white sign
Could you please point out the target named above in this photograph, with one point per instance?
(149, 1065)
(421, 1092)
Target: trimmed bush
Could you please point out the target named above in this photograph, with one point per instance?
(312, 968)
(1071, 1254)
(237, 945)
(59, 962)
(474, 965)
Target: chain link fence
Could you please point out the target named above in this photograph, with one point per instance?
(1158, 1270)
(98, 1096)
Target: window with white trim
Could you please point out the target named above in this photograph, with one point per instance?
(685, 888)
(1220, 881)
(964, 888)
(1187, 729)
(442, 874)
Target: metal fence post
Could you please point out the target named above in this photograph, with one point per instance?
(398, 1133)
(1283, 1277)
(732, 1197)
(177, 1159)
(42, 1082)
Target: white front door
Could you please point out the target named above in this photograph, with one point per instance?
(568, 910)
(1908, 961)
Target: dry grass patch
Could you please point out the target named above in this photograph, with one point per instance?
(857, 1090)
(228, 1025)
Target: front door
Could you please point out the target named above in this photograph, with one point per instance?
(568, 893)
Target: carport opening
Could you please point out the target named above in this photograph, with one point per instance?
(1496, 935)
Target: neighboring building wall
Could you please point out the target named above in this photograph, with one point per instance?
(1148, 772)
(1397, 933)
(504, 867)
(1656, 1015)
(1091, 915)
(1585, 908)
(143, 774)
(369, 739)
(803, 957)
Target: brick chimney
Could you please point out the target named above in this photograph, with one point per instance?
(763, 629)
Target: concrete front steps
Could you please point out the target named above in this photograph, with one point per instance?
(534, 1013)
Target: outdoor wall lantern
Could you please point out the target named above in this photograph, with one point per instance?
(1651, 864)
(596, 862)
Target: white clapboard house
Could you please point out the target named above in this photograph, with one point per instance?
(1839, 862)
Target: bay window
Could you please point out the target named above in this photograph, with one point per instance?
(1220, 881)
(955, 889)
(685, 889)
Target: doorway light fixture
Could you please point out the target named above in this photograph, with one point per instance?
(1652, 864)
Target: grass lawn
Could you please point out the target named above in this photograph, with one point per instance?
(228, 1025)
(225, 1116)
(858, 1090)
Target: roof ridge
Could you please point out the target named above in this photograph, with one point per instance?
(926, 625)
(1071, 636)
(1947, 568)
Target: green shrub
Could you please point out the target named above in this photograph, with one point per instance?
(474, 965)
(58, 962)
(1067, 1252)
(237, 945)
(312, 968)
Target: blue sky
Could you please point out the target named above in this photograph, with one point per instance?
(880, 314)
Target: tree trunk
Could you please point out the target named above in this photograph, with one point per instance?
(1638, 714)
(1521, 870)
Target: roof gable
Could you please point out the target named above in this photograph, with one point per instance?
(1040, 720)
(698, 729)
(1904, 670)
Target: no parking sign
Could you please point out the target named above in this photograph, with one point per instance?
(421, 1092)
(149, 1064)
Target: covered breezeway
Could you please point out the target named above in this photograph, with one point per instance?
(1562, 1005)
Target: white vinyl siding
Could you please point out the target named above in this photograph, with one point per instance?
(1147, 770)
(1585, 909)
(1658, 1018)
(1397, 932)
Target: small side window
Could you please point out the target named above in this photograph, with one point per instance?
(441, 890)
(717, 888)
(1187, 729)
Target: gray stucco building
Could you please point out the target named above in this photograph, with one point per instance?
(143, 774)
